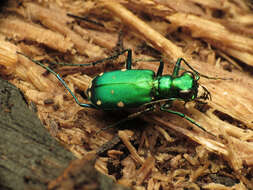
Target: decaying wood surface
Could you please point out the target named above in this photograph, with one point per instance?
(30, 157)
(165, 151)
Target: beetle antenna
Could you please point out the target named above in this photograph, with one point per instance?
(202, 75)
(85, 19)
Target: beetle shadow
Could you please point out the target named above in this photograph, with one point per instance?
(113, 116)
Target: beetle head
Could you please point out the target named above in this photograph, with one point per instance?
(187, 85)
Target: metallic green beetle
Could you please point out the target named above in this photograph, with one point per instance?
(130, 88)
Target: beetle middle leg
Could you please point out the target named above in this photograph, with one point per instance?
(160, 68)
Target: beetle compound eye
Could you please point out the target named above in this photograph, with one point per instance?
(190, 74)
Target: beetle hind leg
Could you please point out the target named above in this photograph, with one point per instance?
(185, 117)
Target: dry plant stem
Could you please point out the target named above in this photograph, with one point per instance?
(145, 169)
(44, 84)
(152, 36)
(37, 12)
(101, 166)
(59, 24)
(8, 56)
(197, 173)
(235, 97)
(21, 30)
(155, 38)
(246, 20)
(125, 139)
(164, 133)
(151, 7)
(234, 63)
(163, 8)
(216, 186)
(241, 149)
(212, 31)
(211, 145)
(241, 55)
(209, 3)
(184, 6)
(103, 39)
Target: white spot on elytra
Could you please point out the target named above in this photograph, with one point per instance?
(89, 93)
(120, 104)
(123, 70)
(99, 102)
(90, 85)
(101, 74)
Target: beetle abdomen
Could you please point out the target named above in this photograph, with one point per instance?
(124, 88)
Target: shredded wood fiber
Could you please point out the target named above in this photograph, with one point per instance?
(159, 151)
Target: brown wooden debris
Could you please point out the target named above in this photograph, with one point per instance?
(158, 150)
(215, 33)
(145, 170)
(18, 29)
(59, 24)
(105, 40)
(85, 168)
(153, 37)
(214, 4)
(8, 57)
(183, 6)
(125, 139)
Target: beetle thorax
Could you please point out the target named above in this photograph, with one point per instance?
(183, 87)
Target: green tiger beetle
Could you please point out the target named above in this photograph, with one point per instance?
(133, 88)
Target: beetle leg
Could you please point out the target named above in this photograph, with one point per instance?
(176, 68)
(129, 59)
(115, 56)
(61, 80)
(185, 117)
(72, 94)
(129, 117)
(160, 68)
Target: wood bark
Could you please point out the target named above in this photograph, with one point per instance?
(29, 157)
